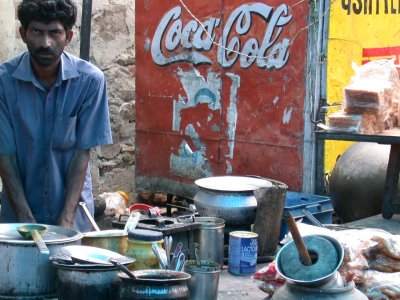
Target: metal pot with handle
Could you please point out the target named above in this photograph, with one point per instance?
(27, 273)
(229, 197)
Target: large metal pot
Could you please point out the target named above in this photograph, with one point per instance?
(229, 197)
(358, 180)
(86, 282)
(154, 284)
(26, 273)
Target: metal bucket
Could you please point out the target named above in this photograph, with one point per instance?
(205, 279)
(210, 237)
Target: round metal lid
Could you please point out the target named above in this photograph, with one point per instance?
(52, 235)
(232, 183)
(145, 235)
(105, 233)
(87, 257)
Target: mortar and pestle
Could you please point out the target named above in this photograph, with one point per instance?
(310, 267)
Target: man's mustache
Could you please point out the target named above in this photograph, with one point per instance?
(44, 51)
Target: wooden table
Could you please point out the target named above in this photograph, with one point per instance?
(391, 137)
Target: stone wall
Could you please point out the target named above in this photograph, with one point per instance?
(113, 51)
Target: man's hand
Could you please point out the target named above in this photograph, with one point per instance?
(12, 182)
(73, 186)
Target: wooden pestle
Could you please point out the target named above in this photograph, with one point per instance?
(298, 240)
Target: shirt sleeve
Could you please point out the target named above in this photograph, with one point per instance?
(93, 124)
(7, 139)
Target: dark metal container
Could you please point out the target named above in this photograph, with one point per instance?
(154, 284)
(86, 282)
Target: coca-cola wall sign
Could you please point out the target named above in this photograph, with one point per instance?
(268, 52)
(220, 89)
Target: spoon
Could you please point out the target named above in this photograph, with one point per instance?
(122, 268)
(196, 255)
(89, 216)
(33, 231)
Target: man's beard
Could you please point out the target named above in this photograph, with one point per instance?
(44, 57)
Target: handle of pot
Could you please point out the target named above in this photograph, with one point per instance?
(298, 240)
(89, 216)
(39, 242)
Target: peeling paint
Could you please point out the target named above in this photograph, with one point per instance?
(228, 170)
(198, 90)
(190, 164)
(201, 91)
(147, 45)
(215, 128)
(232, 113)
(191, 132)
(287, 114)
(276, 99)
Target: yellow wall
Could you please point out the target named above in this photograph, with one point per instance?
(348, 35)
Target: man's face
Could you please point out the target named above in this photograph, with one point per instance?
(46, 42)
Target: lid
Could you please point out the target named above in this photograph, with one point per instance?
(52, 235)
(145, 235)
(105, 233)
(78, 256)
(232, 183)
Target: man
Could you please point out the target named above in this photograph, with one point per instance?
(53, 109)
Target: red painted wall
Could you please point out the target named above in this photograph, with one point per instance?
(199, 115)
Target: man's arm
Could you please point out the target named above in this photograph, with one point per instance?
(73, 186)
(12, 183)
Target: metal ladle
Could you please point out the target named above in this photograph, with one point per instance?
(122, 268)
(89, 216)
(33, 232)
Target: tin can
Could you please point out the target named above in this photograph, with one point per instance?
(242, 256)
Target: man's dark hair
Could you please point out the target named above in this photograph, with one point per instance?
(47, 11)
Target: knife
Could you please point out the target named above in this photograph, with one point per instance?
(174, 259)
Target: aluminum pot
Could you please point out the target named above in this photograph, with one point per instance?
(113, 240)
(154, 284)
(86, 282)
(26, 272)
(229, 197)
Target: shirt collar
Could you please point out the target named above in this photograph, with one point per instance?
(24, 69)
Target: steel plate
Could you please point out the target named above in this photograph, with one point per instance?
(232, 183)
(53, 234)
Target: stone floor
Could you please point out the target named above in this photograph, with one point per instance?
(234, 287)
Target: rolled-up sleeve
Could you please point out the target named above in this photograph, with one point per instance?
(93, 124)
(7, 139)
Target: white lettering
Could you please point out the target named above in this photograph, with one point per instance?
(249, 248)
(271, 52)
